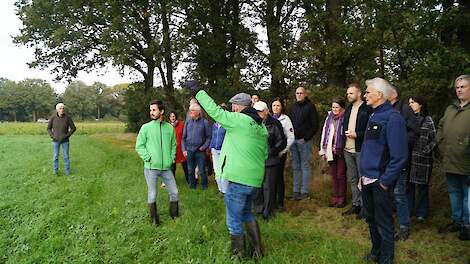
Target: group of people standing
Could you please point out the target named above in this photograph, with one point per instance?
(382, 145)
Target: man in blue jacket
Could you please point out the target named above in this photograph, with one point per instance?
(197, 135)
(384, 154)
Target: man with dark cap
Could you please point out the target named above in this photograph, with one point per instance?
(241, 162)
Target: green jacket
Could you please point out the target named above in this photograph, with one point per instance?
(453, 138)
(156, 145)
(245, 146)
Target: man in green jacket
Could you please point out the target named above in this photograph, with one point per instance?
(241, 162)
(453, 137)
(156, 145)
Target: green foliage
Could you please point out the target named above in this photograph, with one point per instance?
(137, 102)
(29, 99)
(421, 46)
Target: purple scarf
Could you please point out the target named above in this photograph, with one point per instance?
(338, 139)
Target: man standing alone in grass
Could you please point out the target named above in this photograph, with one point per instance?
(241, 162)
(156, 145)
(60, 128)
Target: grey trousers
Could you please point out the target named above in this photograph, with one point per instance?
(352, 172)
(167, 177)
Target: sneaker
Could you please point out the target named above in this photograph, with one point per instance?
(402, 235)
(452, 227)
(303, 196)
(293, 196)
(353, 210)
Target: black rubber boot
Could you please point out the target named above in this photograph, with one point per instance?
(464, 232)
(153, 214)
(238, 246)
(254, 239)
(174, 209)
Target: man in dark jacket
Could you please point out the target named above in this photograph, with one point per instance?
(60, 128)
(453, 139)
(355, 124)
(304, 117)
(196, 139)
(277, 141)
(401, 197)
(384, 154)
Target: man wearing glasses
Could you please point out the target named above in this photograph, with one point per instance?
(304, 118)
(453, 138)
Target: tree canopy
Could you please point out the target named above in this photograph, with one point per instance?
(421, 46)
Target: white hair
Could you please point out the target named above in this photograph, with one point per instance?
(464, 77)
(59, 105)
(195, 107)
(380, 85)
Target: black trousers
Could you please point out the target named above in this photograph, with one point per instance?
(378, 204)
(280, 185)
(184, 165)
(265, 199)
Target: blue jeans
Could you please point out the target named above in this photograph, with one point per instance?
(401, 201)
(238, 203)
(55, 156)
(458, 194)
(378, 204)
(196, 158)
(222, 184)
(301, 155)
(151, 177)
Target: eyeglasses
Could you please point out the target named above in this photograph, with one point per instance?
(460, 87)
(299, 93)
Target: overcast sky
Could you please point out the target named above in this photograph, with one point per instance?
(14, 59)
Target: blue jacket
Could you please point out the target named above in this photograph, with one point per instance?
(218, 134)
(384, 152)
(196, 134)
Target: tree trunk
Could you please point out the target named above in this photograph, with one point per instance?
(335, 61)
(34, 116)
(273, 27)
(448, 29)
(463, 29)
(167, 51)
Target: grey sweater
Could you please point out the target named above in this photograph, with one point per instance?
(60, 128)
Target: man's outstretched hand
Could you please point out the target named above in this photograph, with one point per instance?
(194, 85)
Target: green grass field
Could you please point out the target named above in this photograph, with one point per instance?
(83, 128)
(99, 214)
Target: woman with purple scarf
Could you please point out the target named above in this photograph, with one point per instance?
(331, 149)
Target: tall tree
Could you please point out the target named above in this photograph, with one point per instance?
(218, 45)
(39, 97)
(80, 100)
(277, 16)
(79, 35)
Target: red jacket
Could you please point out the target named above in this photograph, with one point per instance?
(179, 135)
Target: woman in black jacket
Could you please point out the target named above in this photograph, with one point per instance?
(265, 201)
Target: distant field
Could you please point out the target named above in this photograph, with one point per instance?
(83, 128)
